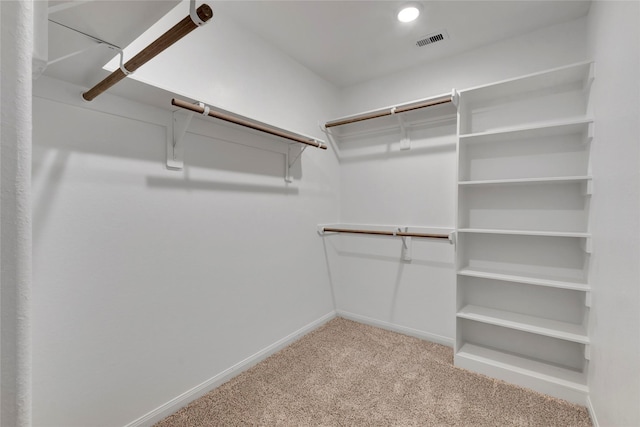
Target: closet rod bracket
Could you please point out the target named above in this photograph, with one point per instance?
(452, 238)
(455, 98)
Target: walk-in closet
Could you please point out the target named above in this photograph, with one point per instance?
(320, 213)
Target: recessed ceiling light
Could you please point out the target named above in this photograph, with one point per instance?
(408, 14)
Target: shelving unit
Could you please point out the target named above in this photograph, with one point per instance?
(523, 246)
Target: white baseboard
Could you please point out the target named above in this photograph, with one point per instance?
(185, 398)
(592, 412)
(396, 328)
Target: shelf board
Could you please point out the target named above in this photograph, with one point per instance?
(575, 73)
(521, 322)
(547, 180)
(524, 232)
(548, 281)
(523, 366)
(544, 129)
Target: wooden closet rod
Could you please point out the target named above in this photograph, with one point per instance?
(389, 111)
(249, 123)
(174, 34)
(385, 233)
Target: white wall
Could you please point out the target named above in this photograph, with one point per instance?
(149, 282)
(539, 50)
(614, 372)
(383, 185)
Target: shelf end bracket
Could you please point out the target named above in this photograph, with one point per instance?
(406, 245)
(587, 245)
(180, 122)
(289, 162)
(405, 141)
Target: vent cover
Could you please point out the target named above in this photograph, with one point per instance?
(438, 36)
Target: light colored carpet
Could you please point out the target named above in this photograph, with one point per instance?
(349, 374)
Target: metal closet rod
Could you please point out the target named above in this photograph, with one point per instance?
(390, 111)
(248, 123)
(385, 233)
(178, 31)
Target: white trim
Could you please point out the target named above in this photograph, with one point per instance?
(592, 412)
(188, 396)
(427, 336)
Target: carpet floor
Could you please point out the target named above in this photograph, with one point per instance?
(349, 374)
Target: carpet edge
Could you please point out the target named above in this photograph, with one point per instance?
(416, 333)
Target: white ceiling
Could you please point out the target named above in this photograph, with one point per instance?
(345, 42)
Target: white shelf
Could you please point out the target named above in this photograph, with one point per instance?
(547, 180)
(515, 366)
(524, 232)
(552, 282)
(576, 73)
(537, 130)
(522, 322)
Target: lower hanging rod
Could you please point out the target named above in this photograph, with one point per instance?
(385, 233)
(243, 121)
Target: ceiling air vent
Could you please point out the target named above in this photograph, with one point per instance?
(438, 36)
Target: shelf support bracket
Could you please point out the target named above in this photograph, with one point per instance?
(588, 299)
(405, 141)
(180, 122)
(587, 245)
(289, 163)
(590, 132)
(406, 245)
(590, 77)
(587, 351)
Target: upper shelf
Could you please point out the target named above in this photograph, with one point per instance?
(544, 180)
(525, 232)
(540, 130)
(579, 74)
(531, 100)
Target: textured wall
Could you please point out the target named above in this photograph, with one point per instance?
(15, 213)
